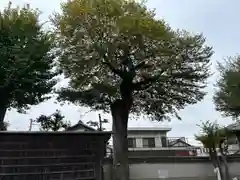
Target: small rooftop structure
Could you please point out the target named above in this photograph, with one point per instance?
(234, 126)
(179, 142)
(80, 126)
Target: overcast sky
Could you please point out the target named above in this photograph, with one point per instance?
(218, 20)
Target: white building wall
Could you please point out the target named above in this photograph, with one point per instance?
(139, 136)
(158, 142)
(174, 171)
(232, 148)
(139, 142)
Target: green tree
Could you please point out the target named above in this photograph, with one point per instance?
(26, 62)
(227, 95)
(213, 137)
(120, 58)
(53, 122)
(98, 124)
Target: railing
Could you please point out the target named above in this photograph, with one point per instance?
(171, 146)
(232, 149)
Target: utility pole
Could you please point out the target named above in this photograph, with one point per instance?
(31, 124)
(100, 122)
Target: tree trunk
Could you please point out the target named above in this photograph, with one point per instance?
(238, 138)
(216, 162)
(120, 112)
(226, 169)
(223, 152)
(3, 110)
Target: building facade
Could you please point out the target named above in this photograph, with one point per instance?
(147, 138)
(154, 141)
(233, 141)
(144, 141)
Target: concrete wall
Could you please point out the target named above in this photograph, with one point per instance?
(174, 171)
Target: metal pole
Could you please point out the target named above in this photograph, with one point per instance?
(31, 124)
(100, 122)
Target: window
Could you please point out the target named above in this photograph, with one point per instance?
(232, 140)
(149, 142)
(131, 142)
(164, 141)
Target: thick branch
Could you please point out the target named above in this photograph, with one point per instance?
(113, 69)
(146, 82)
(143, 84)
(149, 80)
(142, 64)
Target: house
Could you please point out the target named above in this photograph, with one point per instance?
(154, 142)
(61, 155)
(80, 126)
(149, 142)
(178, 142)
(234, 139)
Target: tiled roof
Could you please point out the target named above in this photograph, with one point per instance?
(80, 125)
(234, 126)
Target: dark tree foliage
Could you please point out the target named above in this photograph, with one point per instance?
(120, 58)
(5, 126)
(25, 60)
(227, 95)
(53, 122)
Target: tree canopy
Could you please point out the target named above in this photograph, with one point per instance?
(227, 95)
(106, 45)
(53, 122)
(119, 57)
(211, 135)
(26, 60)
(5, 126)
